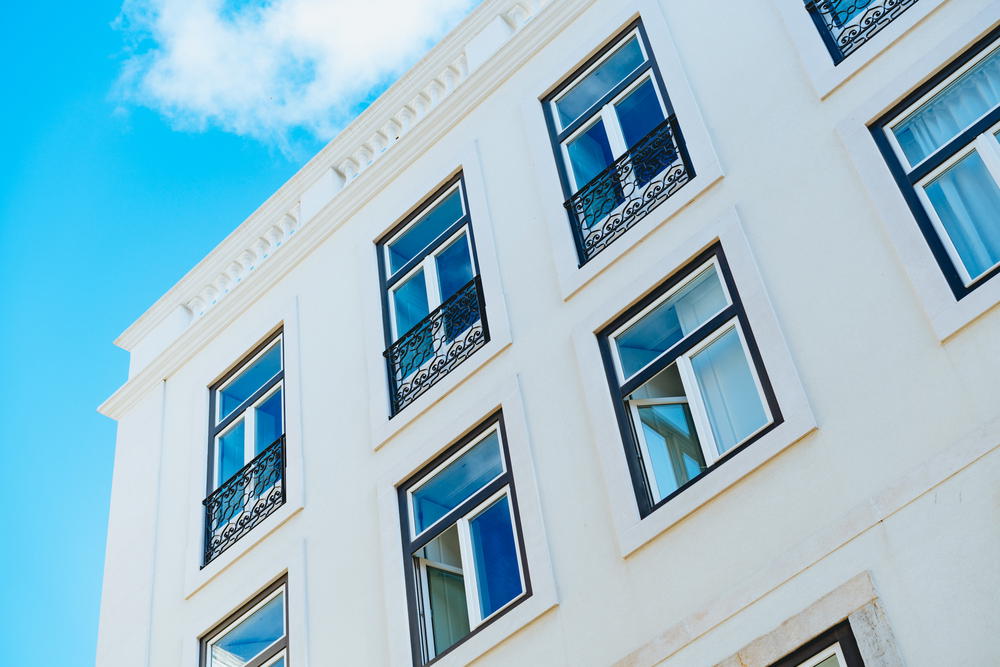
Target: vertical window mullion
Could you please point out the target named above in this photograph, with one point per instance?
(469, 572)
(699, 413)
(989, 150)
(431, 281)
(249, 433)
(647, 462)
(615, 135)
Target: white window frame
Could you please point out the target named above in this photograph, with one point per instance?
(249, 421)
(946, 315)
(495, 428)
(826, 654)
(432, 285)
(696, 404)
(282, 590)
(632, 529)
(693, 397)
(468, 571)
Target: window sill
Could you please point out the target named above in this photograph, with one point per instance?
(816, 59)
(632, 530)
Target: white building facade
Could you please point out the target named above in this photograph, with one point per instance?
(616, 332)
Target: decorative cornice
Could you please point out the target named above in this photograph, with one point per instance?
(479, 82)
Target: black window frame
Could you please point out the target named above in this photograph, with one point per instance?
(621, 389)
(387, 282)
(817, 9)
(556, 137)
(216, 427)
(271, 651)
(838, 634)
(907, 181)
(413, 544)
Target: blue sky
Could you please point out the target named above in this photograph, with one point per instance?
(120, 170)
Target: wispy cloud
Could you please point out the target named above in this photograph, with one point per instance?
(270, 70)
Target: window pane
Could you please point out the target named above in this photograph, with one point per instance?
(952, 110)
(670, 321)
(842, 11)
(495, 555)
(244, 642)
(268, 428)
(728, 389)
(668, 433)
(246, 383)
(589, 154)
(231, 451)
(599, 82)
(410, 302)
(454, 267)
(829, 662)
(448, 488)
(967, 200)
(424, 231)
(639, 113)
(280, 662)
(448, 608)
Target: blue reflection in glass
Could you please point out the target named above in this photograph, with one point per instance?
(454, 267)
(424, 231)
(249, 381)
(231, 451)
(843, 11)
(447, 489)
(410, 302)
(639, 114)
(268, 427)
(670, 321)
(599, 82)
(248, 639)
(590, 154)
(495, 554)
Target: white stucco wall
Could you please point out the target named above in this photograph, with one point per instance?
(899, 478)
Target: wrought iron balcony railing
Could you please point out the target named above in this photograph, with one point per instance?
(449, 335)
(633, 185)
(244, 500)
(847, 24)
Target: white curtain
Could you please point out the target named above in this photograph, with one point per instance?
(728, 389)
(967, 200)
(951, 111)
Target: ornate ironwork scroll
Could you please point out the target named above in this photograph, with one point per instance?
(449, 335)
(632, 186)
(244, 500)
(847, 24)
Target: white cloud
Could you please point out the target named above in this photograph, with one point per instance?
(270, 69)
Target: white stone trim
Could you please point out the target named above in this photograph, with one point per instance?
(855, 600)
(203, 614)
(506, 396)
(286, 316)
(816, 59)
(480, 218)
(631, 530)
(186, 335)
(907, 488)
(947, 315)
(576, 49)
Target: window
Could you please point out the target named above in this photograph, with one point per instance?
(246, 447)
(834, 648)
(255, 636)
(941, 144)
(845, 25)
(617, 142)
(433, 306)
(462, 541)
(687, 380)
